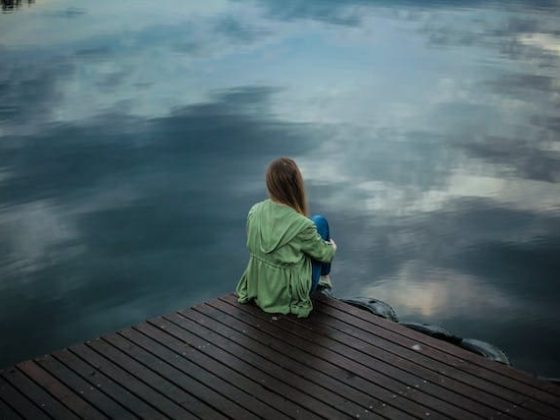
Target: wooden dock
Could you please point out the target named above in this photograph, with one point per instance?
(221, 359)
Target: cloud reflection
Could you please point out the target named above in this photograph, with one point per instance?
(434, 294)
(112, 217)
(134, 139)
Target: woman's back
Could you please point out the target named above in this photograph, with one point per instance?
(281, 243)
(271, 229)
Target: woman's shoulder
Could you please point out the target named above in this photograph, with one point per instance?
(278, 211)
(256, 206)
(270, 205)
(282, 210)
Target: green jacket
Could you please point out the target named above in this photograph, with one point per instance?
(281, 243)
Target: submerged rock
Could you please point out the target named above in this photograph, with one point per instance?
(485, 349)
(555, 381)
(384, 310)
(434, 331)
(476, 346)
(376, 307)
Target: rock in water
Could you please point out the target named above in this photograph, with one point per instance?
(434, 331)
(485, 349)
(376, 307)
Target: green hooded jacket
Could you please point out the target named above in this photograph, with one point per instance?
(281, 243)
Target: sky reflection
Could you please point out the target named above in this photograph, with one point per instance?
(133, 139)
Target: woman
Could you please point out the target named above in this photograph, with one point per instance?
(289, 253)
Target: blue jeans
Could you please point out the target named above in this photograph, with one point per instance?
(318, 268)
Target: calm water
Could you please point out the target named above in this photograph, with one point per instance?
(134, 136)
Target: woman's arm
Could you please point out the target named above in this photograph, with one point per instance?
(316, 247)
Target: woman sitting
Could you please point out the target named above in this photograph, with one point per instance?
(289, 252)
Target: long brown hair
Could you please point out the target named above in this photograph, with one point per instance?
(285, 184)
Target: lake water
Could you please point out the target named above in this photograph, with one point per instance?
(134, 136)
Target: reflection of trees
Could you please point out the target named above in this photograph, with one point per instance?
(8, 5)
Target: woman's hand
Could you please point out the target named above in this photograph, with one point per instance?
(333, 244)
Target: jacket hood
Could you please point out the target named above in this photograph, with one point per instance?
(273, 225)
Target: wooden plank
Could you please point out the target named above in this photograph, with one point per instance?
(206, 400)
(222, 359)
(403, 336)
(100, 381)
(87, 391)
(161, 403)
(394, 364)
(210, 377)
(363, 378)
(245, 375)
(182, 402)
(319, 385)
(7, 412)
(323, 387)
(527, 383)
(530, 404)
(362, 340)
(19, 402)
(492, 382)
(293, 386)
(60, 391)
(37, 394)
(390, 365)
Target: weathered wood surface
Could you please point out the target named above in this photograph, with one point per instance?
(221, 359)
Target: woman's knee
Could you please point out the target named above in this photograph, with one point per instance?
(322, 225)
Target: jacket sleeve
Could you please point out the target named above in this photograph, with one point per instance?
(241, 290)
(313, 245)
